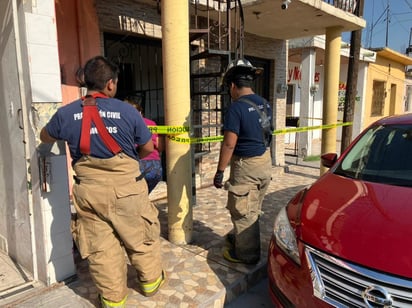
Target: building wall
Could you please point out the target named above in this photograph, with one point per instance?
(52, 227)
(392, 73)
(78, 40)
(294, 79)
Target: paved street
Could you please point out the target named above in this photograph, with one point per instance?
(256, 297)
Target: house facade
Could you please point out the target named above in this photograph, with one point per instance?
(387, 90)
(383, 89)
(306, 79)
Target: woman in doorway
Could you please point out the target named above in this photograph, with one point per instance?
(150, 166)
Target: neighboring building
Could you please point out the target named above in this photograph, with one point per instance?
(382, 89)
(386, 84)
(408, 81)
(43, 45)
(306, 87)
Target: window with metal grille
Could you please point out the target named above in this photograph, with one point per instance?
(141, 73)
(378, 98)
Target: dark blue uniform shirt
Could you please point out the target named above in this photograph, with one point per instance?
(124, 123)
(243, 120)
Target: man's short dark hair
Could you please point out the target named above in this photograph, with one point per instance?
(98, 71)
(243, 81)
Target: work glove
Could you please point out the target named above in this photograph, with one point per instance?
(218, 179)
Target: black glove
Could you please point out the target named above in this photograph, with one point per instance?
(218, 179)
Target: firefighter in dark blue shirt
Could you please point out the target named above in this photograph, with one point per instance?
(114, 214)
(246, 147)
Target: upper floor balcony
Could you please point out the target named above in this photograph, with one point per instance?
(288, 19)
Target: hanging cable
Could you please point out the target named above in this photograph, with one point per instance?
(241, 28)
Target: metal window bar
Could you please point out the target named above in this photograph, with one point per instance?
(211, 52)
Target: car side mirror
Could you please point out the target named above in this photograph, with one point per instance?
(327, 160)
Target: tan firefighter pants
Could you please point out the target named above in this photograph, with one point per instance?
(247, 185)
(114, 215)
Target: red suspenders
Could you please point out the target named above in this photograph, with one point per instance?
(91, 113)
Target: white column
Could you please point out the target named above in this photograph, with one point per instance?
(306, 114)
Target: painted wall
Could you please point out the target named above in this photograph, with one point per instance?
(78, 40)
(52, 225)
(393, 74)
(42, 47)
(294, 78)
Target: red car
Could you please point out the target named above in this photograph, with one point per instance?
(346, 240)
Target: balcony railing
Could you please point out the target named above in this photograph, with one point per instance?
(345, 5)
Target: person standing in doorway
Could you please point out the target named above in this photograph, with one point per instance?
(151, 165)
(246, 141)
(114, 214)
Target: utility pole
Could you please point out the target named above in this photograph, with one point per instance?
(352, 81)
(387, 24)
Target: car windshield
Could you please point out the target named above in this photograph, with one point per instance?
(383, 155)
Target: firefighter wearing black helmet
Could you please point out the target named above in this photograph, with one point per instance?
(246, 148)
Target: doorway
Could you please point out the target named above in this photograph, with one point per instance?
(141, 71)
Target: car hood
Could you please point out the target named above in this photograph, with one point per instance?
(366, 223)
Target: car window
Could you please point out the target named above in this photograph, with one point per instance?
(383, 154)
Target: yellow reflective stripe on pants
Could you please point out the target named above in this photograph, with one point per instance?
(108, 304)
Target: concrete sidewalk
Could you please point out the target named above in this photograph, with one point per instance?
(197, 274)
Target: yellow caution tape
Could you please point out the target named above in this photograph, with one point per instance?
(308, 128)
(172, 131)
(168, 130)
(195, 140)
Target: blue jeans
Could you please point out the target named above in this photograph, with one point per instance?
(152, 170)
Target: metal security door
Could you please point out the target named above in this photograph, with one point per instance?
(15, 207)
